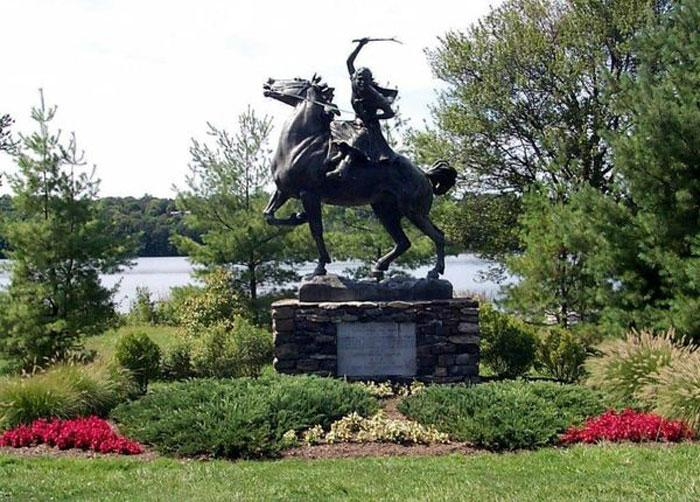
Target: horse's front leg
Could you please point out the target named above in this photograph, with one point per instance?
(312, 207)
(276, 201)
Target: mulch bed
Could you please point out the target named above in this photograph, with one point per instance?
(44, 450)
(361, 450)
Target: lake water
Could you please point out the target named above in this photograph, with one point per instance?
(161, 274)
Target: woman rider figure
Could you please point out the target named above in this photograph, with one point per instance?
(363, 140)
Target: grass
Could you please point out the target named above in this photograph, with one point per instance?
(613, 472)
(164, 336)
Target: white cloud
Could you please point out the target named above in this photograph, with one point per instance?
(137, 79)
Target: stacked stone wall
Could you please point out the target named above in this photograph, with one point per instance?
(447, 335)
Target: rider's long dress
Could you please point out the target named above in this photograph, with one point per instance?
(366, 137)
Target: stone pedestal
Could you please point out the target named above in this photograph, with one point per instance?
(431, 341)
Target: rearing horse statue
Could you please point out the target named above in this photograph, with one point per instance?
(394, 190)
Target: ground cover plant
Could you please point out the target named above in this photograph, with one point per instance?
(244, 417)
(63, 391)
(605, 472)
(379, 428)
(504, 415)
(628, 425)
(89, 433)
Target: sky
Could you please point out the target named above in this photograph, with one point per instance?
(137, 79)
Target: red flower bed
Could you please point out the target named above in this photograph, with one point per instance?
(89, 433)
(627, 425)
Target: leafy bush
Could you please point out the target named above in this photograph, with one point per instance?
(177, 362)
(139, 354)
(63, 391)
(217, 303)
(676, 393)
(625, 367)
(243, 417)
(168, 311)
(235, 350)
(90, 433)
(560, 354)
(628, 425)
(504, 415)
(507, 344)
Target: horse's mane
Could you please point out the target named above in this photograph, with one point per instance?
(325, 90)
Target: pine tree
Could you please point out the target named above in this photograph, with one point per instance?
(224, 201)
(659, 158)
(58, 248)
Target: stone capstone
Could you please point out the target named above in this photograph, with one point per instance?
(334, 288)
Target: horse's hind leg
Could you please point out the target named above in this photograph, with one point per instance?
(276, 201)
(312, 207)
(428, 228)
(390, 217)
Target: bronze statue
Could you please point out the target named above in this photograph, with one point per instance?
(363, 138)
(369, 172)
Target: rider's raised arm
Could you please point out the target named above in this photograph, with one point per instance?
(351, 59)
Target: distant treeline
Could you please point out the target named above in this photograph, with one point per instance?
(151, 220)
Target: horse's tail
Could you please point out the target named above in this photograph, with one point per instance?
(442, 176)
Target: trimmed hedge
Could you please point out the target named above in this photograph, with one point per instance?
(504, 415)
(244, 417)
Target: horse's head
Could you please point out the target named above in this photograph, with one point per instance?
(296, 90)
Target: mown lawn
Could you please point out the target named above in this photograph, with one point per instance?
(625, 472)
(164, 336)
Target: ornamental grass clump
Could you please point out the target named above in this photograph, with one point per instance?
(628, 425)
(63, 391)
(625, 367)
(676, 392)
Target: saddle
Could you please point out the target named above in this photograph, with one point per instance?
(364, 140)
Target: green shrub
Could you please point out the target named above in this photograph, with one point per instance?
(168, 311)
(560, 354)
(139, 354)
(217, 303)
(177, 362)
(507, 344)
(239, 350)
(624, 367)
(504, 415)
(63, 391)
(676, 392)
(242, 417)
(142, 309)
